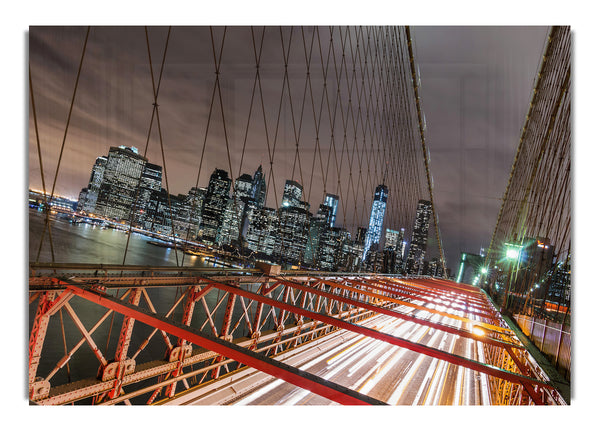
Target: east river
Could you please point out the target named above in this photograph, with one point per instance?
(85, 243)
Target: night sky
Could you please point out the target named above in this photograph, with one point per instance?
(475, 85)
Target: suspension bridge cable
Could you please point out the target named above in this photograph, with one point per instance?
(133, 208)
(39, 149)
(425, 157)
(62, 147)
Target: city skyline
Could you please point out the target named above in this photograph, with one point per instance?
(126, 187)
(116, 69)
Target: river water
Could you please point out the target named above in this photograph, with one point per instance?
(84, 243)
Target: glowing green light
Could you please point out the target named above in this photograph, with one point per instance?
(513, 252)
(484, 270)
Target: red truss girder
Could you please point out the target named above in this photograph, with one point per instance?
(426, 291)
(280, 318)
(393, 313)
(426, 296)
(475, 293)
(270, 366)
(525, 381)
(474, 298)
(453, 294)
(485, 325)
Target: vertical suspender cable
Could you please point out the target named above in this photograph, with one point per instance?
(422, 134)
(37, 138)
(62, 147)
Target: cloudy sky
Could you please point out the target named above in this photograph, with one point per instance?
(475, 86)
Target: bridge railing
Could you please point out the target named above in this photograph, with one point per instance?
(139, 334)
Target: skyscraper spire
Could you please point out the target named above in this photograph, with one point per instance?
(376, 220)
(259, 187)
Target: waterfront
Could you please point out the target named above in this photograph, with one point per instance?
(86, 243)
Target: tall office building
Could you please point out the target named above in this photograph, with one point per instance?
(332, 202)
(331, 248)
(213, 207)
(235, 211)
(351, 256)
(292, 194)
(401, 250)
(195, 199)
(393, 251)
(376, 219)
(317, 225)
(150, 180)
(262, 233)
(124, 167)
(243, 186)
(293, 234)
(435, 268)
(89, 195)
(168, 214)
(391, 239)
(259, 187)
(418, 243)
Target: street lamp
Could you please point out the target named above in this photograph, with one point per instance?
(513, 251)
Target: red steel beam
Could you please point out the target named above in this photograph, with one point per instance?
(432, 292)
(398, 315)
(452, 286)
(38, 332)
(455, 295)
(419, 307)
(470, 296)
(400, 342)
(428, 297)
(295, 376)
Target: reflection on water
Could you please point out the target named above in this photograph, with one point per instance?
(84, 243)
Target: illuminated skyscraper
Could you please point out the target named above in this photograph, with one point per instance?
(376, 220)
(195, 198)
(292, 194)
(214, 204)
(330, 248)
(332, 202)
(391, 239)
(235, 211)
(292, 234)
(262, 233)
(361, 235)
(124, 167)
(317, 225)
(89, 195)
(418, 244)
(259, 187)
(150, 181)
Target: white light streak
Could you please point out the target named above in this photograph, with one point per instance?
(426, 380)
(381, 372)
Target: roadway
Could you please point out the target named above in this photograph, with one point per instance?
(389, 373)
